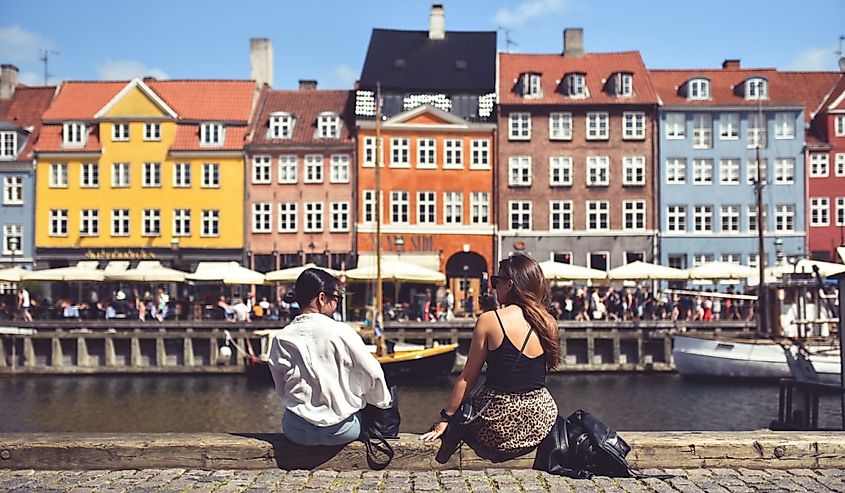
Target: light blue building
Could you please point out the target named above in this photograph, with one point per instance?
(711, 125)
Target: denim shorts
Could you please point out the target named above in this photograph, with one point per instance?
(302, 432)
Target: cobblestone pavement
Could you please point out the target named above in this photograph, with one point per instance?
(491, 480)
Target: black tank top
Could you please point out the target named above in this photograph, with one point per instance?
(508, 372)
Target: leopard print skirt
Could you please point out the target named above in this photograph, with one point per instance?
(512, 422)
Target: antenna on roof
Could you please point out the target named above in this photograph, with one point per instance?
(839, 52)
(45, 56)
(508, 41)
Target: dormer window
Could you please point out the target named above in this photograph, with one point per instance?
(281, 126)
(531, 85)
(8, 145)
(212, 134)
(756, 88)
(576, 85)
(73, 134)
(624, 85)
(328, 126)
(698, 89)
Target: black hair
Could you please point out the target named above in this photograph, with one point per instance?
(310, 284)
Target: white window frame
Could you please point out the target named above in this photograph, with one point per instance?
(633, 125)
(729, 126)
(729, 218)
(280, 125)
(752, 218)
(339, 212)
(313, 217)
(368, 206)
(426, 153)
(520, 213)
(313, 168)
(288, 217)
(182, 175)
(89, 222)
(729, 171)
(597, 215)
(74, 134)
(819, 211)
(676, 218)
(634, 213)
(58, 175)
(597, 125)
(702, 219)
(152, 132)
(576, 85)
(560, 125)
(400, 152)
(757, 130)
(698, 89)
(598, 171)
(702, 171)
(751, 170)
(288, 168)
(560, 171)
(369, 149)
(328, 125)
(261, 170)
(633, 170)
(120, 132)
(339, 168)
(212, 134)
(840, 211)
(426, 207)
(676, 171)
(561, 212)
(519, 171)
(479, 208)
(262, 217)
(624, 85)
(453, 154)
(121, 175)
(210, 223)
(8, 145)
(120, 222)
(13, 190)
(89, 175)
(702, 131)
(58, 223)
(400, 207)
(11, 231)
(784, 218)
(819, 164)
(839, 125)
(453, 208)
(181, 223)
(480, 154)
(784, 126)
(519, 126)
(210, 175)
(839, 163)
(531, 87)
(151, 175)
(676, 126)
(756, 88)
(784, 171)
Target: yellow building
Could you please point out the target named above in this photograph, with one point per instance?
(142, 170)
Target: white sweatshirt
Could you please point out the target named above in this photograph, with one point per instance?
(323, 372)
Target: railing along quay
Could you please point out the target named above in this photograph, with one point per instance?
(123, 346)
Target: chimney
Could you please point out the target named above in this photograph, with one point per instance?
(437, 22)
(8, 80)
(261, 61)
(730, 63)
(573, 41)
(307, 85)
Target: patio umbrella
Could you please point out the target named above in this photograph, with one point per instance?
(225, 272)
(147, 271)
(721, 270)
(806, 265)
(646, 271)
(559, 271)
(13, 274)
(396, 270)
(84, 270)
(291, 274)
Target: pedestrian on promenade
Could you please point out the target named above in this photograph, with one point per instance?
(516, 411)
(322, 370)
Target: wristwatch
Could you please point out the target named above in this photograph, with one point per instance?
(446, 416)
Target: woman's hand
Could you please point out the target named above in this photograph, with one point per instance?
(434, 432)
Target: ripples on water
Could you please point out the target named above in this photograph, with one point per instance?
(226, 403)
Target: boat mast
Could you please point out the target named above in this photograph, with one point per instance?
(378, 318)
(762, 302)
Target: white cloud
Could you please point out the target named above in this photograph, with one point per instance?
(814, 59)
(127, 69)
(19, 46)
(528, 11)
(345, 76)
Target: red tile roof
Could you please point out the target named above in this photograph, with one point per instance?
(81, 100)
(305, 106)
(809, 88)
(835, 92)
(187, 139)
(598, 67)
(51, 141)
(25, 108)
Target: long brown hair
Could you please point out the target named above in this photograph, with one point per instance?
(530, 292)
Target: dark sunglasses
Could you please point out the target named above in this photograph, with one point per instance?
(494, 280)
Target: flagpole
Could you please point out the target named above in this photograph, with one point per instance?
(379, 316)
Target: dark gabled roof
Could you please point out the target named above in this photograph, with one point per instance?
(464, 61)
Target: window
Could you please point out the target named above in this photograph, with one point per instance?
(287, 168)
(519, 126)
(676, 218)
(729, 126)
(152, 131)
(784, 171)
(287, 217)
(598, 215)
(120, 132)
(58, 222)
(730, 258)
(261, 170)
(562, 257)
(633, 124)
(120, 222)
(819, 164)
(479, 208)
(519, 171)
(368, 159)
(633, 214)
(210, 223)
(633, 170)
(313, 217)
(702, 216)
(427, 153)
(676, 171)
(752, 217)
(453, 153)
(400, 152)
(89, 222)
(839, 125)
(698, 89)
(262, 221)
(531, 85)
(210, 175)
(702, 131)
(151, 222)
(702, 258)
(314, 168)
(677, 260)
(560, 171)
(368, 206)
(453, 208)
(74, 135)
(702, 171)
(339, 168)
(400, 207)
(120, 175)
(729, 215)
(624, 85)
(784, 126)
(339, 216)
(328, 126)
(181, 175)
(784, 218)
(754, 260)
(8, 145)
(819, 211)
(577, 85)
(560, 215)
(520, 214)
(840, 163)
(756, 131)
(152, 175)
(560, 126)
(181, 222)
(12, 190)
(729, 171)
(598, 171)
(598, 260)
(281, 126)
(89, 176)
(58, 175)
(426, 207)
(676, 125)
(12, 236)
(752, 171)
(212, 134)
(480, 154)
(840, 211)
(598, 126)
(756, 88)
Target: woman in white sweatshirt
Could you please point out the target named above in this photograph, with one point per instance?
(323, 373)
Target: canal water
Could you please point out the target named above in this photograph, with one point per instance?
(641, 402)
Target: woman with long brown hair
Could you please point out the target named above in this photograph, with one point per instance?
(520, 344)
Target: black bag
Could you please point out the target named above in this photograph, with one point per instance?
(377, 425)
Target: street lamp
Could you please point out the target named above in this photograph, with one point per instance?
(14, 244)
(400, 244)
(778, 250)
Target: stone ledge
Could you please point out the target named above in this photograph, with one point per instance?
(212, 451)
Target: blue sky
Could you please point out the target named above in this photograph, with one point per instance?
(327, 40)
